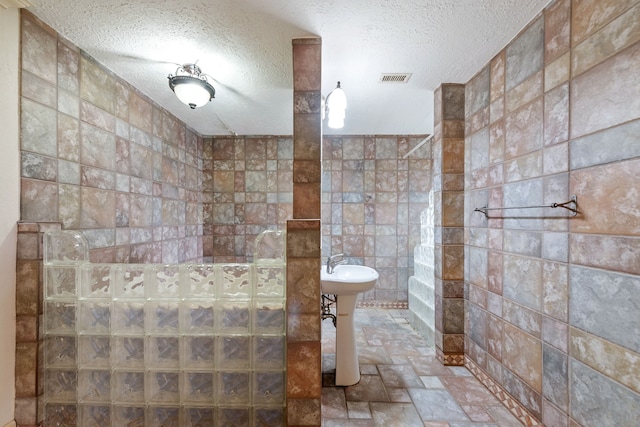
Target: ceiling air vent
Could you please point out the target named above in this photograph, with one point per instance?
(395, 77)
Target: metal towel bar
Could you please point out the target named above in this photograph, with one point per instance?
(571, 205)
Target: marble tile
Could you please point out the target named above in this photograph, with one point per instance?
(555, 380)
(523, 318)
(39, 49)
(38, 201)
(557, 72)
(557, 33)
(522, 354)
(614, 361)
(437, 405)
(97, 85)
(477, 92)
(588, 16)
(306, 64)
(98, 148)
(606, 95)
(623, 253)
(453, 100)
(613, 404)
(556, 115)
(497, 76)
(38, 128)
(611, 39)
(593, 293)
(98, 208)
(529, 398)
(525, 92)
(524, 130)
(68, 68)
(525, 55)
(522, 281)
(371, 388)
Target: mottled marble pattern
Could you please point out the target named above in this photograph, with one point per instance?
(593, 293)
(402, 383)
(525, 55)
(610, 405)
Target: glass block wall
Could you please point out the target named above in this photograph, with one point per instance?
(163, 345)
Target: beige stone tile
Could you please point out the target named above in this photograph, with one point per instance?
(557, 72)
(588, 16)
(524, 130)
(522, 354)
(608, 197)
(611, 39)
(497, 76)
(557, 34)
(606, 95)
(524, 93)
(618, 363)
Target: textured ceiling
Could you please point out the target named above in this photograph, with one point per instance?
(245, 45)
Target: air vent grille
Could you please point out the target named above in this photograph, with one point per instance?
(395, 77)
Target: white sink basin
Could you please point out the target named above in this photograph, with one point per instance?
(348, 280)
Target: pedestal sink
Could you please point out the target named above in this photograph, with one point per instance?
(346, 282)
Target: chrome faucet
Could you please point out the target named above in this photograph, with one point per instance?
(332, 263)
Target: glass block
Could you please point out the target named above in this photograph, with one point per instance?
(166, 283)
(94, 386)
(268, 416)
(60, 351)
(130, 281)
(60, 281)
(163, 387)
(95, 415)
(65, 247)
(95, 281)
(201, 282)
(233, 417)
(270, 245)
(61, 415)
(162, 352)
(268, 387)
(198, 352)
(236, 281)
(127, 387)
(59, 317)
(197, 317)
(234, 352)
(270, 282)
(233, 388)
(199, 417)
(130, 416)
(94, 351)
(60, 385)
(233, 317)
(94, 317)
(128, 317)
(269, 352)
(163, 416)
(268, 317)
(128, 352)
(162, 317)
(197, 387)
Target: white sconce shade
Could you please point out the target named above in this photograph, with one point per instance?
(336, 105)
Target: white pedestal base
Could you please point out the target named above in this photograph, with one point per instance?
(347, 366)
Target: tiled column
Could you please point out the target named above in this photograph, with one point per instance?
(304, 356)
(448, 187)
(29, 291)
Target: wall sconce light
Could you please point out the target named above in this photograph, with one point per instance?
(191, 86)
(335, 106)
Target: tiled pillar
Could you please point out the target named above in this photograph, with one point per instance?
(304, 356)
(448, 188)
(29, 291)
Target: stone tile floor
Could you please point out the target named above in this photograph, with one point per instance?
(402, 383)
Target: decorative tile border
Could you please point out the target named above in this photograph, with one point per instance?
(449, 359)
(400, 305)
(503, 396)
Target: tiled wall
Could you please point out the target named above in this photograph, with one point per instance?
(247, 188)
(304, 355)
(372, 197)
(552, 303)
(100, 157)
(448, 192)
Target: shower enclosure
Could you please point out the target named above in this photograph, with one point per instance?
(163, 345)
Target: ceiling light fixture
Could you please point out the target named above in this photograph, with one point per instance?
(191, 86)
(336, 105)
